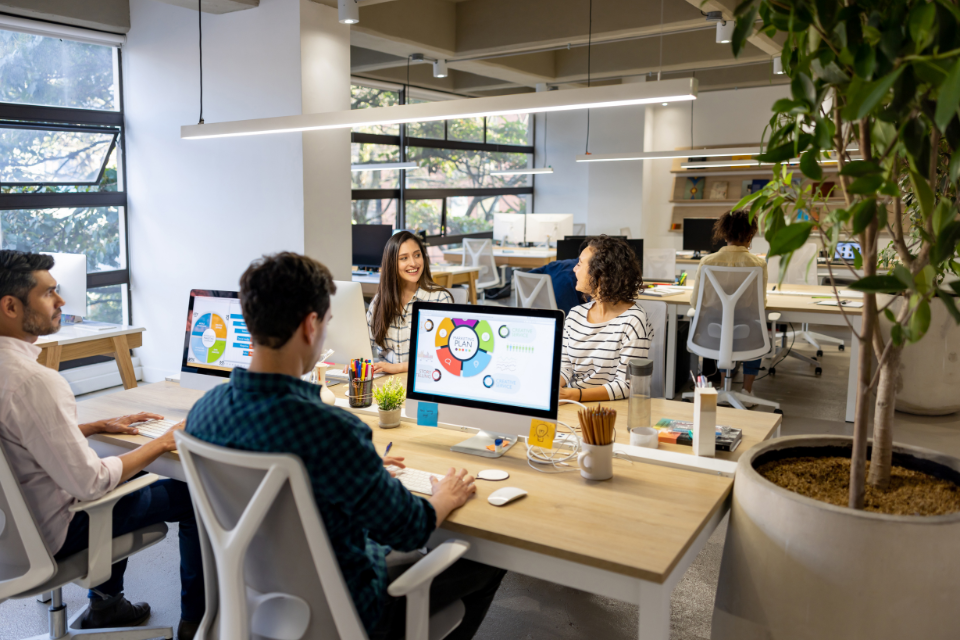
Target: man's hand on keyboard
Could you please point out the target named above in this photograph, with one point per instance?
(123, 423)
(166, 440)
(391, 461)
(451, 492)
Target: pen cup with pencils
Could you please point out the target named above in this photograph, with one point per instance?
(360, 387)
(596, 451)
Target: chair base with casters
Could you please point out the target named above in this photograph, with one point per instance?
(814, 339)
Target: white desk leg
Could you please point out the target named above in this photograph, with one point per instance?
(669, 387)
(852, 374)
(654, 611)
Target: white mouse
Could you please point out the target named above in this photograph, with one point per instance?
(506, 495)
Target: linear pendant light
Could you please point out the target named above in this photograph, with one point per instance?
(520, 172)
(383, 166)
(666, 155)
(589, 98)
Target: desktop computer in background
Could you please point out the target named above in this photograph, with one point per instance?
(509, 228)
(493, 370)
(369, 241)
(571, 246)
(70, 272)
(216, 339)
(548, 227)
(698, 236)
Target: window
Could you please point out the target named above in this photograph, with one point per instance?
(61, 159)
(452, 192)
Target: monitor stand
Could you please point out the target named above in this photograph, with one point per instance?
(487, 425)
(696, 255)
(479, 445)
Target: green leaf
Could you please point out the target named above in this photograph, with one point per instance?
(786, 105)
(942, 215)
(881, 215)
(946, 245)
(863, 214)
(778, 154)
(865, 61)
(922, 190)
(889, 315)
(866, 185)
(920, 321)
(920, 23)
(745, 200)
(950, 304)
(903, 275)
(743, 28)
(857, 259)
(870, 95)
(890, 189)
(949, 98)
(846, 56)
(790, 238)
(878, 284)
(809, 165)
(955, 167)
(924, 279)
(955, 285)
(823, 133)
(858, 168)
(896, 334)
(802, 88)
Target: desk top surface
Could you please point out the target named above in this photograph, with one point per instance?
(639, 524)
(518, 252)
(778, 302)
(70, 334)
(454, 269)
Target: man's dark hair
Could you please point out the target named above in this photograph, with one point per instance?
(16, 272)
(277, 292)
(614, 270)
(735, 227)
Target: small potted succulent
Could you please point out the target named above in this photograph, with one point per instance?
(390, 397)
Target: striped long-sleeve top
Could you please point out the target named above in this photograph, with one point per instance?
(596, 355)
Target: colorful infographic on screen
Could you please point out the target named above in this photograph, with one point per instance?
(219, 338)
(485, 357)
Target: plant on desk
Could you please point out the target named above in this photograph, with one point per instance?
(875, 91)
(389, 397)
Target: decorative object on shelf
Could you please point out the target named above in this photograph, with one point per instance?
(390, 397)
(741, 157)
(718, 190)
(745, 187)
(824, 188)
(694, 189)
(758, 184)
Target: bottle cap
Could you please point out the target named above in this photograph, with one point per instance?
(640, 367)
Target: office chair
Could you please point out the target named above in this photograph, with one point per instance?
(730, 325)
(478, 252)
(269, 569)
(625, 232)
(656, 311)
(660, 265)
(27, 568)
(579, 229)
(534, 290)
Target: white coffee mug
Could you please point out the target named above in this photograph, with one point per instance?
(596, 461)
(644, 437)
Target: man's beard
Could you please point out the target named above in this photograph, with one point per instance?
(37, 325)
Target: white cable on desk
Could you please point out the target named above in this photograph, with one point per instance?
(539, 456)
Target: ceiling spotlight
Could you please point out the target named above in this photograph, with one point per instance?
(665, 103)
(778, 66)
(348, 11)
(440, 69)
(725, 31)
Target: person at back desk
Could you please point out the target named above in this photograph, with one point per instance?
(285, 300)
(736, 229)
(564, 282)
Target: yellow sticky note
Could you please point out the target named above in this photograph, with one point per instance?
(541, 433)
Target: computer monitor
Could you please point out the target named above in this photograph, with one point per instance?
(548, 227)
(70, 272)
(369, 241)
(487, 368)
(216, 339)
(571, 246)
(845, 251)
(347, 334)
(698, 236)
(509, 228)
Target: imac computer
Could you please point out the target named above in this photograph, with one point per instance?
(369, 241)
(347, 334)
(846, 251)
(571, 246)
(698, 236)
(70, 272)
(216, 339)
(548, 227)
(492, 369)
(509, 228)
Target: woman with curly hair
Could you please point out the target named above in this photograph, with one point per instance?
(601, 336)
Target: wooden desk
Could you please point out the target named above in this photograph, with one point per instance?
(444, 275)
(630, 538)
(523, 257)
(73, 343)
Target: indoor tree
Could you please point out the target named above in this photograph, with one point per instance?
(875, 88)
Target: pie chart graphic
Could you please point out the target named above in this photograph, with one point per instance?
(209, 338)
(464, 347)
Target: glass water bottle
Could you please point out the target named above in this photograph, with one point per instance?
(640, 372)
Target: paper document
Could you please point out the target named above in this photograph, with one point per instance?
(843, 303)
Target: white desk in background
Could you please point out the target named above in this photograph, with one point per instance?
(445, 275)
(75, 341)
(522, 257)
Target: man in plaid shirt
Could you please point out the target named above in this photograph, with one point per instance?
(286, 305)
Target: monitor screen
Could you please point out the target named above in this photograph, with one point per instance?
(216, 337)
(698, 235)
(499, 359)
(369, 241)
(571, 246)
(845, 251)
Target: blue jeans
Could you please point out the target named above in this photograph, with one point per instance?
(750, 368)
(162, 501)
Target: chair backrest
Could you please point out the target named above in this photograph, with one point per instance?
(478, 252)
(802, 268)
(730, 322)
(656, 311)
(579, 229)
(267, 555)
(625, 232)
(534, 290)
(660, 264)
(25, 561)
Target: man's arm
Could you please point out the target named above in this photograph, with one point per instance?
(138, 459)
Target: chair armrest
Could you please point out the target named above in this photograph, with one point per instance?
(773, 316)
(425, 570)
(100, 544)
(691, 312)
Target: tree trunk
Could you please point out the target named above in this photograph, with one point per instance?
(882, 454)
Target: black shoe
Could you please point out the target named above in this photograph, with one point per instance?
(115, 611)
(187, 630)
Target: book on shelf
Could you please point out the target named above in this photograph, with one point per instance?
(694, 189)
(718, 190)
(681, 432)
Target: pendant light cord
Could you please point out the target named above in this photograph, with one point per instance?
(546, 115)
(660, 70)
(200, 30)
(589, 60)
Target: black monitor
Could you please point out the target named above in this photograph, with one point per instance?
(698, 236)
(571, 246)
(369, 241)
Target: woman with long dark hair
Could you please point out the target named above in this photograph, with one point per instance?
(404, 278)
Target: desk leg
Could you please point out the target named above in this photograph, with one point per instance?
(852, 374)
(122, 352)
(654, 611)
(473, 287)
(52, 360)
(669, 386)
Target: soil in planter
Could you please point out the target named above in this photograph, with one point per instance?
(828, 480)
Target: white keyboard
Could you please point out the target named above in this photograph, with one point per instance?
(154, 428)
(415, 480)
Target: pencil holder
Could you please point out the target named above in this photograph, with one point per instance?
(360, 393)
(596, 461)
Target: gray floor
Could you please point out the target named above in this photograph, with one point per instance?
(529, 609)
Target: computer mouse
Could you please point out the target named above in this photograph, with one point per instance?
(506, 495)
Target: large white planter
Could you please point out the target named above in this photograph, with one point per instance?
(929, 376)
(795, 568)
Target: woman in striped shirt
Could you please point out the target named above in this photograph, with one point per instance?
(404, 278)
(601, 336)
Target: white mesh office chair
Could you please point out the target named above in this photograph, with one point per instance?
(656, 311)
(625, 232)
(660, 265)
(579, 229)
(478, 252)
(534, 290)
(730, 324)
(269, 569)
(28, 569)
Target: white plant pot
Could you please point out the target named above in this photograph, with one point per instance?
(389, 419)
(929, 373)
(795, 568)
